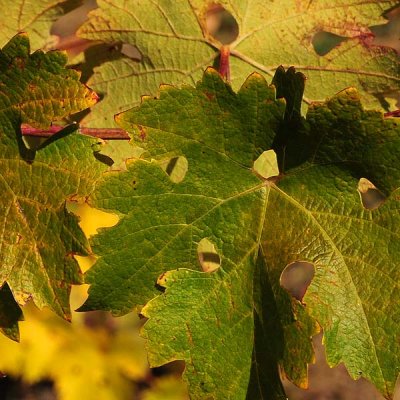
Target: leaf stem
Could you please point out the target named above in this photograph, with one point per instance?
(71, 43)
(101, 133)
(224, 68)
(395, 113)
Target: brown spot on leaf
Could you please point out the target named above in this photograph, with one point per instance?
(366, 38)
(142, 132)
(62, 284)
(19, 62)
(93, 96)
(210, 96)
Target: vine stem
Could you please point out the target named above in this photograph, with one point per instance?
(395, 113)
(110, 133)
(101, 133)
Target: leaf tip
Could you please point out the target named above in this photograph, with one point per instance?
(211, 71)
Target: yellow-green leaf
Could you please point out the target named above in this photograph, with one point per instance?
(176, 46)
(39, 237)
(34, 17)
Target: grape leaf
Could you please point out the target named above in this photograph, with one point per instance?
(33, 17)
(176, 47)
(254, 228)
(38, 236)
(115, 153)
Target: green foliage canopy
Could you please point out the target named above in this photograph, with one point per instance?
(311, 212)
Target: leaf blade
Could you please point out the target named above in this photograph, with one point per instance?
(37, 89)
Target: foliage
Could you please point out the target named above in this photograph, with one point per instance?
(176, 46)
(224, 186)
(311, 212)
(33, 17)
(39, 238)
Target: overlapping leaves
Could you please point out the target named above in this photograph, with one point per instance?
(176, 47)
(33, 17)
(38, 236)
(232, 325)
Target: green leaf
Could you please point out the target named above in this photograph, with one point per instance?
(176, 47)
(33, 17)
(39, 237)
(226, 323)
(140, 187)
(116, 153)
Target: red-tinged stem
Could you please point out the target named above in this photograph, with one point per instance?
(395, 113)
(224, 68)
(72, 43)
(101, 133)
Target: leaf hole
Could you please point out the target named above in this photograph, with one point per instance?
(176, 367)
(371, 197)
(91, 219)
(176, 168)
(208, 256)
(221, 24)
(131, 52)
(296, 278)
(266, 166)
(324, 42)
